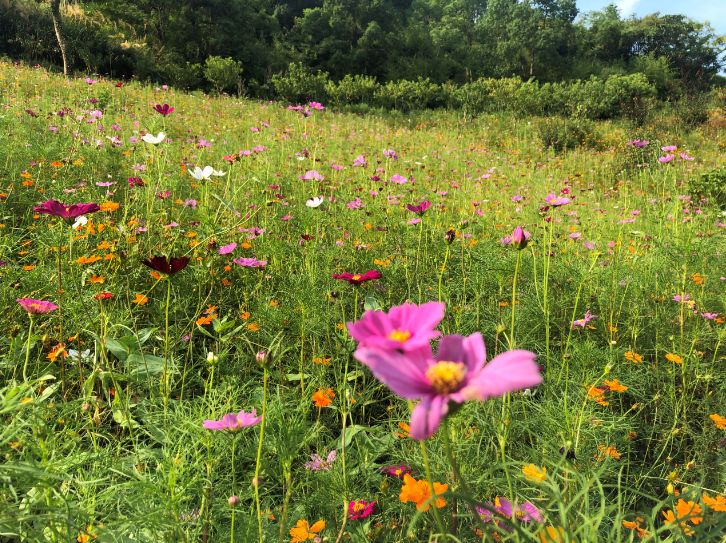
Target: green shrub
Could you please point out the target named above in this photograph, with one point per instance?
(711, 186)
(223, 73)
(301, 85)
(352, 89)
(692, 111)
(563, 134)
(407, 95)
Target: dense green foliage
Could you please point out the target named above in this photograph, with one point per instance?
(440, 41)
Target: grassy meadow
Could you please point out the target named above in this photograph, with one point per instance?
(619, 291)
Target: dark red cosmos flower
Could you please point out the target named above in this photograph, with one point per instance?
(419, 209)
(169, 266)
(58, 209)
(356, 279)
(119, 84)
(103, 296)
(164, 110)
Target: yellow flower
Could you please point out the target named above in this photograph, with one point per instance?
(550, 534)
(109, 206)
(535, 474)
(633, 357)
(607, 451)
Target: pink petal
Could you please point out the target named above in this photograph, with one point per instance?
(507, 372)
(470, 350)
(427, 416)
(403, 374)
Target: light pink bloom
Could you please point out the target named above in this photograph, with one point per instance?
(405, 327)
(582, 323)
(312, 175)
(666, 159)
(360, 161)
(226, 249)
(556, 201)
(250, 262)
(395, 178)
(686, 156)
(669, 148)
(318, 464)
(457, 373)
(233, 422)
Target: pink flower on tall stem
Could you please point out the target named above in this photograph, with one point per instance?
(58, 209)
(233, 421)
(457, 373)
(163, 109)
(556, 201)
(419, 208)
(405, 327)
(250, 262)
(36, 307)
(356, 279)
(519, 238)
(582, 323)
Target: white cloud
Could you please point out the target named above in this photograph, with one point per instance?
(626, 7)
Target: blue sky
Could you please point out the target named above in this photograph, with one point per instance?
(713, 11)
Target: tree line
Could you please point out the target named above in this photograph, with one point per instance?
(455, 41)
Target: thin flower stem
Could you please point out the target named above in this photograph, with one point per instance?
(27, 349)
(514, 299)
(430, 481)
(256, 481)
(443, 268)
(455, 467)
(165, 386)
(234, 484)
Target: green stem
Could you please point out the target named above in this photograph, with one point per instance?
(259, 455)
(165, 377)
(443, 268)
(27, 349)
(234, 484)
(430, 480)
(514, 299)
(455, 467)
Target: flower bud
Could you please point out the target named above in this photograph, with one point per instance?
(212, 358)
(520, 237)
(232, 501)
(260, 357)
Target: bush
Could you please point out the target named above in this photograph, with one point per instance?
(352, 89)
(300, 84)
(711, 186)
(692, 111)
(223, 73)
(407, 95)
(563, 134)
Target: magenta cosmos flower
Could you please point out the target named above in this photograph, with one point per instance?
(36, 307)
(163, 109)
(457, 373)
(250, 262)
(233, 421)
(58, 209)
(555, 201)
(356, 279)
(519, 238)
(360, 509)
(405, 327)
(420, 208)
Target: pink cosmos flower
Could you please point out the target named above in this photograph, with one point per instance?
(419, 208)
(398, 470)
(519, 238)
(317, 106)
(639, 144)
(318, 464)
(356, 279)
(526, 512)
(399, 179)
(669, 148)
(666, 159)
(164, 109)
(360, 509)
(226, 249)
(406, 327)
(360, 161)
(36, 307)
(233, 422)
(582, 323)
(390, 153)
(556, 201)
(312, 175)
(250, 262)
(58, 209)
(457, 373)
(686, 156)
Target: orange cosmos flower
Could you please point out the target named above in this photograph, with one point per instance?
(671, 357)
(534, 474)
(717, 504)
(615, 385)
(110, 206)
(419, 492)
(633, 357)
(304, 532)
(718, 420)
(635, 527)
(323, 397)
(140, 299)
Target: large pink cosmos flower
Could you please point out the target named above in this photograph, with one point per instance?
(405, 327)
(233, 421)
(36, 307)
(525, 512)
(58, 209)
(457, 373)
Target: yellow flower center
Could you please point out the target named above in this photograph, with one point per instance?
(399, 335)
(356, 277)
(358, 507)
(446, 376)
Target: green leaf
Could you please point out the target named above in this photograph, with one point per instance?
(372, 303)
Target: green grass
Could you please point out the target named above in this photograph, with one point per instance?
(113, 439)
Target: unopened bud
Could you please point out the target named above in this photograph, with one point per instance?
(212, 358)
(261, 356)
(233, 500)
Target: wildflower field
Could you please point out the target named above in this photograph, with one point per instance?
(228, 320)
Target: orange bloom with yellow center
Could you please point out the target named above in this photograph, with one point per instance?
(615, 385)
(672, 357)
(635, 527)
(419, 492)
(534, 473)
(717, 504)
(109, 206)
(597, 395)
(140, 299)
(607, 451)
(718, 420)
(633, 357)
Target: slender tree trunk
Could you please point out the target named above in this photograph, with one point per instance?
(55, 11)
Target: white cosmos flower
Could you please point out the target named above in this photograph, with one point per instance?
(81, 220)
(315, 202)
(218, 173)
(150, 138)
(199, 173)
